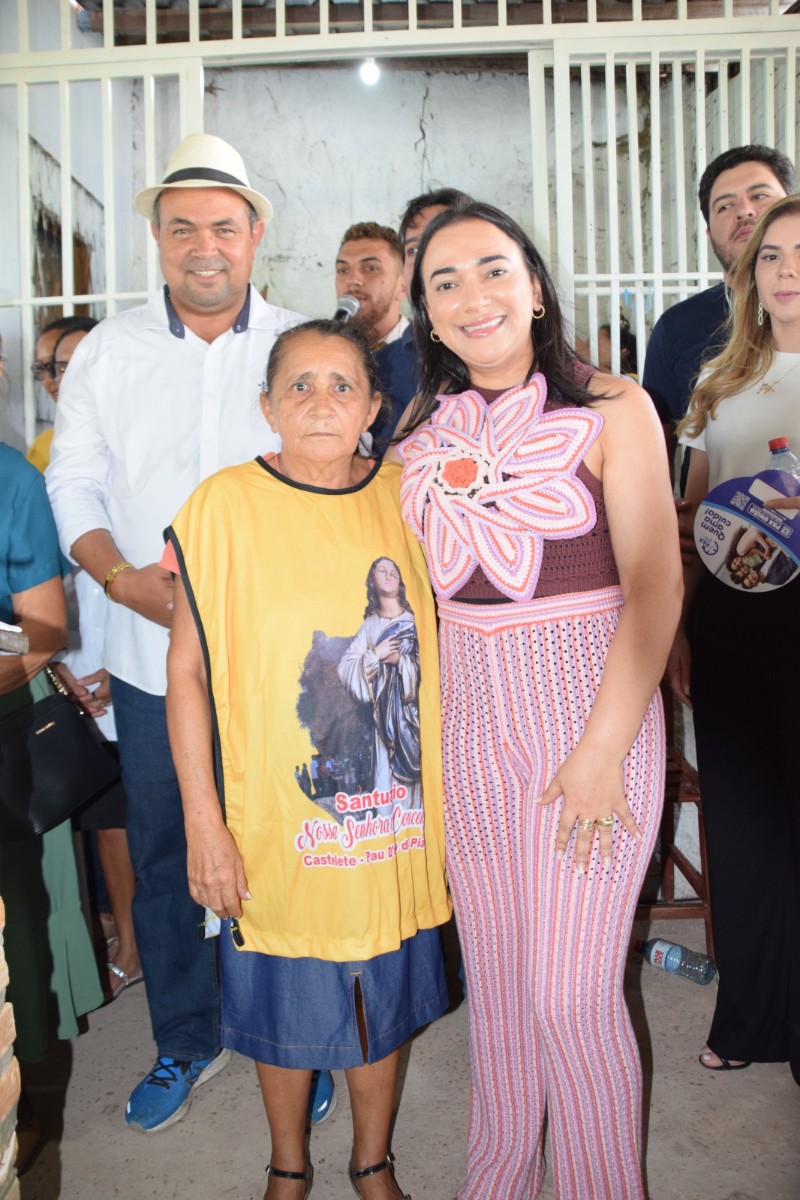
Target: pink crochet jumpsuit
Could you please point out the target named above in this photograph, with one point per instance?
(520, 557)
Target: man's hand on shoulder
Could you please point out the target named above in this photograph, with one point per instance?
(147, 590)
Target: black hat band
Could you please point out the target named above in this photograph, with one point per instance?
(203, 173)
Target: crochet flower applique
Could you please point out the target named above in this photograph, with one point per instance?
(487, 483)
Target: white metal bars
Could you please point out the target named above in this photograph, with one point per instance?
(637, 252)
(227, 31)
(88, 157)
(631, 130)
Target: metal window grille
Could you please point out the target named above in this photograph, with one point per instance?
(628, 101)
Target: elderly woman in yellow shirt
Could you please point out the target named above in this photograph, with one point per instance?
(330, 956)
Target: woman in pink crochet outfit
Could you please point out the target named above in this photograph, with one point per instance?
(540, 490)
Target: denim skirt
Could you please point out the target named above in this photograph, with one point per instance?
(301, 1012)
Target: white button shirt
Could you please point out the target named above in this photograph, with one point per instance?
(143, 417)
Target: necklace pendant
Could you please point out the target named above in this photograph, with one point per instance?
(765, 387)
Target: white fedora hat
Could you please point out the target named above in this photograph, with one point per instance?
(204, 161)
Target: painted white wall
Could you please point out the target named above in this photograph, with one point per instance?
(328, 151)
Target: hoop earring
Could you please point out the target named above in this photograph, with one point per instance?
(434, 336)
(760, 317)
(537, 315)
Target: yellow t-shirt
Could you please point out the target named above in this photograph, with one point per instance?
(39, 450)
(325, 702)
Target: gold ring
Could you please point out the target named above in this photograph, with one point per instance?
(585, 825)
(605, 822)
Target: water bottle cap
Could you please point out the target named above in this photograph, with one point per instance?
(781, 443)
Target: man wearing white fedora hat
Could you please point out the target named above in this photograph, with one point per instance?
(155, 400)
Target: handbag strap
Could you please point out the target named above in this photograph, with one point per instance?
(57, 683)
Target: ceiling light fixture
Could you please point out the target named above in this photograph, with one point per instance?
(370, 71)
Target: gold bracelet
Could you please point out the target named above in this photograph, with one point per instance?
(112, 575)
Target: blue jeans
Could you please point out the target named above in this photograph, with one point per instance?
(180, 968)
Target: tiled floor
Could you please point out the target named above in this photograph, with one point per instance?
(708, 1136)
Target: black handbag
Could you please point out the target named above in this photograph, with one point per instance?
(51, 762)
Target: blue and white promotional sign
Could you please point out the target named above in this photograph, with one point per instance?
(744, 544)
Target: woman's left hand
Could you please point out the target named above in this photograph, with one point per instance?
(592, 787)
(215, 869)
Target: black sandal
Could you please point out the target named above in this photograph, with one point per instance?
(725, 1064)
(386, 1165)
(307, 1176)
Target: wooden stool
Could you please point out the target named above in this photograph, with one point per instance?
(680, 787)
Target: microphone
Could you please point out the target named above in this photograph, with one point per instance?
(346, 308)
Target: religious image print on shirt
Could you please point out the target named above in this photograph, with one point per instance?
(359, 701)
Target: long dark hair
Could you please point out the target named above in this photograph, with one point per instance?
(373, 599)
(443, 371)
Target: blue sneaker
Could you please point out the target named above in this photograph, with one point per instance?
(322, 1100)
(164, 1095)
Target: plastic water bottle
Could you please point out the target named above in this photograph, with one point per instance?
(781, 457)
(677, 960)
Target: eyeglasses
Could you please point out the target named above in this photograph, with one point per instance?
(54, 369)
